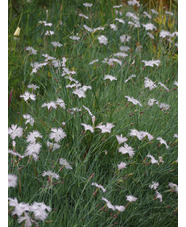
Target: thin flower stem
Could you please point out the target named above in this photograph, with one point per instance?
(19, 184)
(34, 169)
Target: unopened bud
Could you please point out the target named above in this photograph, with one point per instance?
(17, 32)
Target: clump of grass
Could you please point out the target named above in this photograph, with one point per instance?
(64, 108)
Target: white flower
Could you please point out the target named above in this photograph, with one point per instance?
(124, 48)
(176, 83)
(163, 142)
(106, 128)
(110, 206)
(50, 174)
(94, 61)
(74, 110)
(176, 135)
(153, 160)
(140, 134)
(120, 208)
(133, 16)
(149, 84)
(57, 134)
(134, 101)
(120, 54)
(69, 77)
(130, 77)
(64, 62)
(169, 13)
(117, 6)
(152, 101)
(163, 85)
(99, 186)
(131, 198)
(126, 149)
(27, 96)
(164, 34)
(49, 33)
(149, 26)
(32, 86)
(134, 132)
(12, 180)
(175, 34)
(74, 37)
(89, 112)
(136, 24)
(144, 134)
(164, 106)
(15, 131)
(31, 138)
(160, 159)
(135, 20)
(121, 139)
(45, 23)
(150, 35)
(79, 92)
(39, 210)
(48, 24)
(20, 208)
(15, 154)
(122, 165)
(154, 185)
(88, 28)
(124, 38)
(147, 15)
(108, 203)
(85, 87)
(88, 127)
(154, 11)
(87, 4)
(65, 163)
(111, 60)
(26, 218)
(67, 71)
(54, 146)
(48, 57)
(98, 29)
(37, 66)
(56, 63)
(84, 16)
(174, 187)
(33, 149)
(151, 63)
(32, 50)
(60, 102)
(103, 39)
(73, 85)
(49, 105)
(133, 2)
(158, 196)
(120, 20)
(111, 78)
(113, 26)
(56, 44)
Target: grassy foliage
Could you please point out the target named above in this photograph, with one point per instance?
(94, 156)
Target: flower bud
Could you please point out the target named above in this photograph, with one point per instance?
(17, 32)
